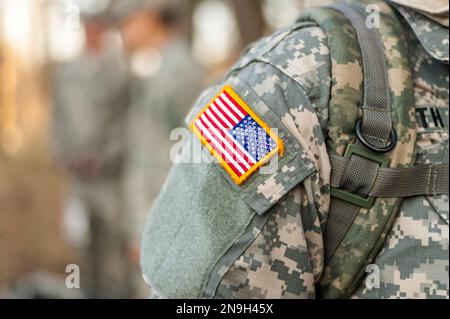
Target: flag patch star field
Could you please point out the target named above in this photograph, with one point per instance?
(235, 135)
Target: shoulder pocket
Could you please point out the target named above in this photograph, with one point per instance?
(201, 212)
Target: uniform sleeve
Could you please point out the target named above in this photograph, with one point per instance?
(208, 237)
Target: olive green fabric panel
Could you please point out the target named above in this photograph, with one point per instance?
(191, 227)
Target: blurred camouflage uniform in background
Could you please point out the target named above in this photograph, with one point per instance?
(90, 107)
(207, 237)
(166, 81)
(159, 105)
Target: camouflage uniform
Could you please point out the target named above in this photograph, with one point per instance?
(90, 105)
(414, 260)
(286, 79)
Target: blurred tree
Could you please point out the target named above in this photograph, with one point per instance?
(250, 19)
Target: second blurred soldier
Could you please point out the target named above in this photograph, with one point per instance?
(90, 106)
(166, 81)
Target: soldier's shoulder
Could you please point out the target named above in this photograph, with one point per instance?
(293, 62)
(432, 35)
(299, 51)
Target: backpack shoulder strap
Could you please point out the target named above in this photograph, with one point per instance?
(371, 128)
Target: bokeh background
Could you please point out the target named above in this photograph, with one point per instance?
(36, 37)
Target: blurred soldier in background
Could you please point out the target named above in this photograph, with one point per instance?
(166, 81)
(90, 106)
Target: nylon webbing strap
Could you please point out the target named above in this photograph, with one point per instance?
(376, 123)
(360, 174)
(422, 179)
(357, 176)
(340, 218)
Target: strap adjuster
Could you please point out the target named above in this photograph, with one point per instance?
(360, 150)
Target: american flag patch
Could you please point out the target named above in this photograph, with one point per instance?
(235, 135)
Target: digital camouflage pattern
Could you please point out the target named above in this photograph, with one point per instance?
(279, 263)
(414, 260)
(363, 239)
(280, 252)
(432, 36)
(346, 94)
(437, 10)
(202, 228)
(286, 258)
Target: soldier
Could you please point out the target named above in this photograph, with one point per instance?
(343, 198)
(165, 83)
(90, 106)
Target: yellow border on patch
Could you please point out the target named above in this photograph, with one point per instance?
(279, 148)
